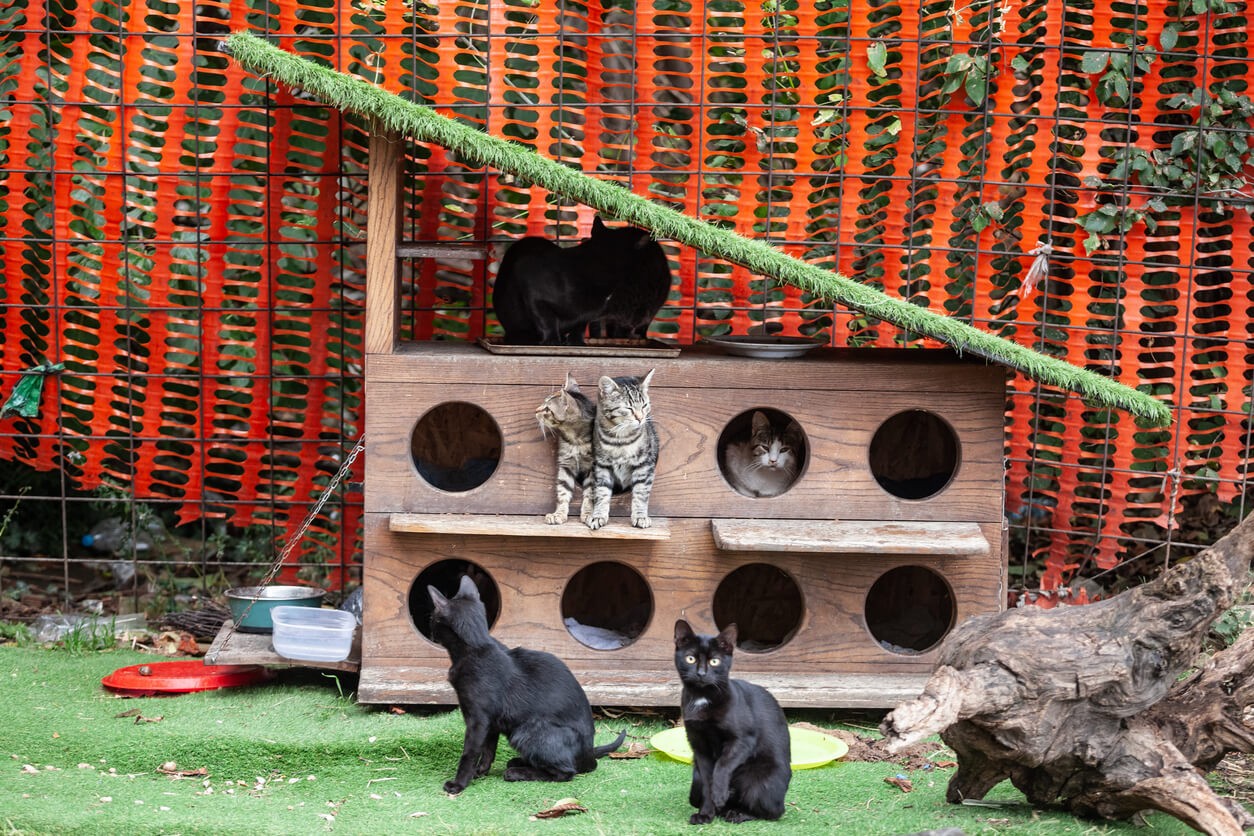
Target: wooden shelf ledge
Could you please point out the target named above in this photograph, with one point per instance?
(234, 647)
(517, 525)
(948, 539)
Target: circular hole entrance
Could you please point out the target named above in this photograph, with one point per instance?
(456, 446)
(446, 576)
(762, 452)
(909, 610)
(914, 454)
(764, 603)
(606, 606)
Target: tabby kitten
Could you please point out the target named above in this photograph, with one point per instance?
(624, 448)
(741, 751)
(568, 414)
(766, 463)
(545, 294)
(529, 696)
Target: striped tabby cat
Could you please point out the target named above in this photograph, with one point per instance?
(765, 463)
(568, 414)
(624, 448)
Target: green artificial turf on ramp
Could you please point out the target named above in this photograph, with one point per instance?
(298, 755)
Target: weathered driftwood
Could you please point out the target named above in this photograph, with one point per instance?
(1080, 706)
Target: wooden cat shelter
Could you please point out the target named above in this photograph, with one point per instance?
(842, 587)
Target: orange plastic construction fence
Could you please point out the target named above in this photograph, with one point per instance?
(188, 239)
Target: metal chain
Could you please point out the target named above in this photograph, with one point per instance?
(300, 534)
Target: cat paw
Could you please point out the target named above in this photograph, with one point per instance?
(556, 518)
(641, 521)
(453, 788)
(595, 521)
(737, 816)
(700, 818)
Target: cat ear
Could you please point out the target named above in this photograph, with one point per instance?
(644, 384)
(468, 589)
(571, 385)
(606, 385)
(644, 240)
(437, 600)
(683, 632)
(598, 225)
(727, 638)
(761, 423)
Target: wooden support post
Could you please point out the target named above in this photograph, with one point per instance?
(383, 221)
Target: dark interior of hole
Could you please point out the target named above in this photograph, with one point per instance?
(763, 601)
(446, 576)
(606, 605)
(914, 454)
(909, 609)
(456, 446)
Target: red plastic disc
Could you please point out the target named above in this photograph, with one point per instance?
(181, 677)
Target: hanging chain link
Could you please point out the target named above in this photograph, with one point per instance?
(296, 539)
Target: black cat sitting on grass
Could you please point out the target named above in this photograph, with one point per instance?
(741, 753)
(615, 281)
(529, 696)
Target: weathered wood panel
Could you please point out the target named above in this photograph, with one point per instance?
(682, 574)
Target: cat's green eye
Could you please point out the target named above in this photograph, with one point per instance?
(692, 660)
(715, 662)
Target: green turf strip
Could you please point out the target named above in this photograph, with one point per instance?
(394, 114)
(294, 755)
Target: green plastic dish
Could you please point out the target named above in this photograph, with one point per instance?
(251, 605)
(810, 748)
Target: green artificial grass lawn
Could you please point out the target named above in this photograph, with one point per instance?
(298, 755)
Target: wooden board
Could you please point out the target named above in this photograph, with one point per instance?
(429, 685)
(593, 347)
(504, 525)
(231, 647)
(851, 538)
(682, 575)
(836, 481)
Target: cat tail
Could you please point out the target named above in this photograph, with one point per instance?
(602, 751)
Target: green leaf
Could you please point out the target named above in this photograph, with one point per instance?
(1020, 64)
(1092, 243)
(1094, 61)
(876, 56)
(977, 88)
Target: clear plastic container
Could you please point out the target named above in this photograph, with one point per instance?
(312, 635)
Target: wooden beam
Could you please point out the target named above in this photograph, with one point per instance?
(383, 219)
(956, 539)
(514, 525)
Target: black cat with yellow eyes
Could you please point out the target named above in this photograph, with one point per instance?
(737, 731)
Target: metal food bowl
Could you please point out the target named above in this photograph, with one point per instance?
(251, 605)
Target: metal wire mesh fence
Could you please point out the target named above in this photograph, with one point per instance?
(188, 239)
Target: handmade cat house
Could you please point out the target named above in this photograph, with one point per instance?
(841, 587)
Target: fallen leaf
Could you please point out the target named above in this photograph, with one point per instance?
(142, 719)
(172, 769)
(564, 807)
(29, 769)
(632, 752)
(396, 709)
(418, 815)
(946, 764)
(901, 782)
(134, 712)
